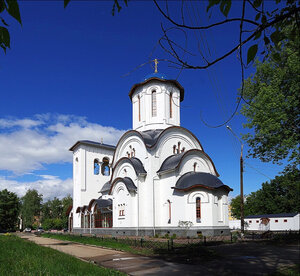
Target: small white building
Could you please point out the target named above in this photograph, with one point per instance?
(157, 176)
(273, 222)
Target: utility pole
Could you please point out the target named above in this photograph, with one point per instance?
(241, 180)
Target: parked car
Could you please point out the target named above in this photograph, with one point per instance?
(27, 230)
(40, 230)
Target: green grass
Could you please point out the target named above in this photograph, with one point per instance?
(106, 242)
(186, 254)
(21, 257)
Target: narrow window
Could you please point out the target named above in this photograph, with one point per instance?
(128, 154)
(154, 107)
(96, 166)
(183, 149)
(139, 107)
(250, 221)
(171, 111)
(257, 221)
(276, 220)
(178, 149)
(195, 166)
(198, 209)
(105, 170)
(133, 152)
(285, 220)
(169, 205)
(174, 149)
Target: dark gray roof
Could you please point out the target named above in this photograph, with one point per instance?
(150, 136)
(128, 183)
(174, 161)
(199, 179)
(138, 165)
(102, 203)
(283, 215)
(106, 187)
(91, 143)
(170, 162)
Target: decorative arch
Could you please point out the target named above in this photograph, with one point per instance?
(193, 195)
(154, 142)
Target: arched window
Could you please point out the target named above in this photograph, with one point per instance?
(198, 209)
(183, 149)
(105, 170)
(171, 100)
(178, 149)
(154, 105)
(96, 166)
(169, 205)
(139, 107)
(195, 166)
(174, 149)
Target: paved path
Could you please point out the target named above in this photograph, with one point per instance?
(122, 261)
(234, 259)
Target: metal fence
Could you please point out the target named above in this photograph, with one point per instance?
(175, 244)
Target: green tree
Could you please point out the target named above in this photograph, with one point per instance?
(280, 195)
(9, 210)
(31, 207)
(273, 113)
(66, 203)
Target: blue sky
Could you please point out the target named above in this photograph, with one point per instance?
(63, 80)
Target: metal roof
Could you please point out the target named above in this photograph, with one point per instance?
(137, 165)
(106, 187)
(103, 203)
(282, 215)
(92, 143)
(157, 78)
(199, 179)
(127, 181)
(170, 162)
(150, 136)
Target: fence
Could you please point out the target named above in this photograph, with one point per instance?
(176, 244)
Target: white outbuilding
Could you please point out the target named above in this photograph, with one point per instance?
(273, 222)
(157, 179)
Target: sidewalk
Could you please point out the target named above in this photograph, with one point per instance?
(122, 261)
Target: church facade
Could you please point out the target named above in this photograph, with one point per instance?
(157, 179)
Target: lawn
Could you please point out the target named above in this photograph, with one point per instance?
(107, 242)
(21, 257)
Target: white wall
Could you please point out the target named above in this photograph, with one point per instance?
(162, 119)
(86, 184)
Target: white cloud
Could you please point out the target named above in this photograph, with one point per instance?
(30, 143)
(49, 186)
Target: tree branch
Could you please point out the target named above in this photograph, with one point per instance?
(202, 27)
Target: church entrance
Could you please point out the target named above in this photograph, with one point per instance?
(103, 217)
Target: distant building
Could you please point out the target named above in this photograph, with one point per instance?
(273, 222)
(269, 222)
(157, 176)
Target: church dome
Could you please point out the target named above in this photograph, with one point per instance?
(155, 75)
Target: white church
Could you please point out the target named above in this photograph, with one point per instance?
(157, 179)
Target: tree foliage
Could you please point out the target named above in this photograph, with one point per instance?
(54, 213)
(9, 210)
(273, 112)
(31, 207)
(280, 195)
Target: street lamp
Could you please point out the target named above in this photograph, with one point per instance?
(241, 180)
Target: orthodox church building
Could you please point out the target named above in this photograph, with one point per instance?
(157, 179)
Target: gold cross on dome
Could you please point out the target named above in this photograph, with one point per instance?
(155, 62)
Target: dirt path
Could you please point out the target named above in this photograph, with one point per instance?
(231, 259)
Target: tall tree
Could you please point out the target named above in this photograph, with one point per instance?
(9, 210)
(31, 207)
(274, 104)
(280, 195)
